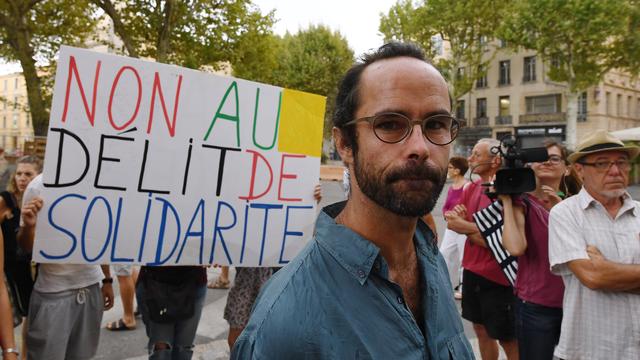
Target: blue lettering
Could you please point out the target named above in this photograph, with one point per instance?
(289, 233)
(166, 205)
(218, 230)
(266, 208)
(144, 229)
(189, 233)
(244, 231)
(74, 241)
(115, 236)
(84, 229)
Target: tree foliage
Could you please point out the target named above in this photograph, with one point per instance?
(461, 23)
(582, 39)
(32, 31)
(190, 33)
(312, 60)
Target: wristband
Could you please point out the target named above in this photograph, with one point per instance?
(107, 281)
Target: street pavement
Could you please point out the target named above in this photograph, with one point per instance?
(211, 337)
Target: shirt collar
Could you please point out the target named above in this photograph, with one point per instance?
(356, 254)
(587, 200)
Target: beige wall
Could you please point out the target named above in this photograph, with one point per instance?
(15, 120)
(600, 114)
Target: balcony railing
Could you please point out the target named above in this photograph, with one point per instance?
(503, 120)
(543, 118)
(582, 117)
(481, 121)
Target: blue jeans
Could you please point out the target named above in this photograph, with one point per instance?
(537, 329)
(177, 336)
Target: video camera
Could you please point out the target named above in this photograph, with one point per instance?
(514, 177)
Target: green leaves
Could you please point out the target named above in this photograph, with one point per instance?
(460, 23)
(312, 60)
(585, 38)
(190, 33)
(33, 31)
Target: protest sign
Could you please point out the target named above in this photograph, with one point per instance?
(148, 163)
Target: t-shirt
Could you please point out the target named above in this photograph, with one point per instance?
(453, 198)
(478, 259)
(60, 277)
(535, 283)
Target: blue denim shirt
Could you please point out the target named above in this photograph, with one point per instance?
(335, 301)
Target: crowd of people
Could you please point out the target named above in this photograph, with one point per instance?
(375, 281)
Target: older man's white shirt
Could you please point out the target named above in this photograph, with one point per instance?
(596, 324)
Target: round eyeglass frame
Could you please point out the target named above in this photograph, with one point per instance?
(455, 126)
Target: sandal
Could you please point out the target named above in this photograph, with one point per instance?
(218, 283)
(119, 325)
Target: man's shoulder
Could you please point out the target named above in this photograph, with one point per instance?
(568, 205)
(283, 291)
(291, 292)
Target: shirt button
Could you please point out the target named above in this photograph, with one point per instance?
(361, 274)
(400, 301)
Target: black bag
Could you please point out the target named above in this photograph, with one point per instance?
(169, 302)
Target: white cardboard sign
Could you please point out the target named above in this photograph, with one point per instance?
(148, 163)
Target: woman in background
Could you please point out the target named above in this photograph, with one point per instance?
(526, 235)
(17, 263)
(452, 246)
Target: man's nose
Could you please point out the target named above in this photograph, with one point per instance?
(418, 143)
(614, 169)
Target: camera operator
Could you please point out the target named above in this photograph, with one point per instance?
(487, 297)
(526, 234)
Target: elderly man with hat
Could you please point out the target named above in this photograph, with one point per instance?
(594, 244)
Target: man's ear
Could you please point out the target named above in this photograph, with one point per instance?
(343, 146)
(497, 162)
(579, 170)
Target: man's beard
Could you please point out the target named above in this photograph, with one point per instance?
(613, 194)
(380, 188)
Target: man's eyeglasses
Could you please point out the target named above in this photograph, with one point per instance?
(393, 127)
(605, 165)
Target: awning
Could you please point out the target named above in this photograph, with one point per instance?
(632, 134)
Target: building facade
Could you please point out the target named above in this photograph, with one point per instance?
(516, 97)
(15, 118)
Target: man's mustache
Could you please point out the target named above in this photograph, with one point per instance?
(416, 172)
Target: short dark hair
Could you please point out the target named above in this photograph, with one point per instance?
(460, 163)
(347, 98)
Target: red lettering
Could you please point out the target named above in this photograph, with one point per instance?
(287, 176)
(113, 90)
(73, 70)
(156, 86)
(251, 196)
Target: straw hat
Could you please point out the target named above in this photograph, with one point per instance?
(600, 141)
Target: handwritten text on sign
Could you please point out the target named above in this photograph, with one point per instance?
(156, 164)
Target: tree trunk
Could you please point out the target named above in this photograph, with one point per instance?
(164, 32)
(572, 119)
(20, 41)
(118, 26)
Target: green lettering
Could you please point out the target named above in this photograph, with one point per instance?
(255, 120)
(235, 118)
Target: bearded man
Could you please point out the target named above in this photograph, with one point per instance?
(372, 283)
